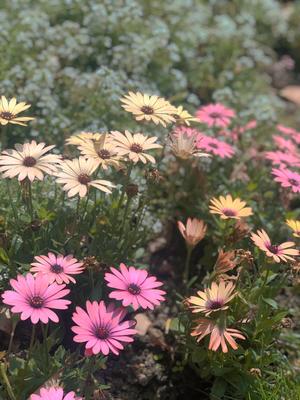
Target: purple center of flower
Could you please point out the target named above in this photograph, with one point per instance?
(228, 212)
(215, 114)
(57, 269)
(36, 302)
(6, 115)
(215, 304)
(136, 148)
(214, 145)
(104, 154)
(272, 248)
(147, 110)
(29, 161)
(293, 182)
(102, 333)
(134, 289)
(84, 179)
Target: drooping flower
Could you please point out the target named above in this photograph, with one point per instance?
(134, 146)
(54, 393)
(295, 226)
(285, 144)
(77, 177)
(183, 117)
(184, 146)
(103, 151)
(81, 137)
(193, 232)
(280, 252)
(215, 298)
(102, 328)
(134, 287)
(57, 268)
(215, 115)
(215, 146)
(9, 111)
(287, 178)
(225, 262)
(35, 298)
(282, 159)
(219, 336)
(28, 160)
(149, 108)
(227, 207)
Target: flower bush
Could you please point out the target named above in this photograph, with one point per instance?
(148, 244)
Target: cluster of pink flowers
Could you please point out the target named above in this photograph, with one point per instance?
(102, 328)
(286, 158)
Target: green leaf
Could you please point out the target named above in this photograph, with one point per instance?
(271, 303)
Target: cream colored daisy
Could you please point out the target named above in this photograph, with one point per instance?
(134, 146)
(103, 151)
(10, 109)
(295, 226)
(183, 117)
(150, 108)
(28, 160)
(81, 137)
(184, 146)
(77, 177)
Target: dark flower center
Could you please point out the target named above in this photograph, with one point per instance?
(36, 302)
(228, 212)
(273, 248)
(29, 161)
(214, 145)
(6, 115)
(134, 289)
(136, 148)
(102, 333)
(84, 179)
(215, 115)
(57, 269)
(147, 110)
(104, 154)
(293, 182)
(215, 304)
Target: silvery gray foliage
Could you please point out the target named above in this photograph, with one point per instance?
(73, 59)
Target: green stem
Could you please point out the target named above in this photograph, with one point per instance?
(120, 202)
(45, 344)
(7, 383)
(12, 334)
(186, 271)
(31, 341)
(30, 200)
(15, 214)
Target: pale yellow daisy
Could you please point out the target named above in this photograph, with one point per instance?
(149, 108)
(28, 160)
(103, 151)
(10, 109)
(81, 137)
(134, 146)
(183, 117)
(77, 177)
(227, 207)
(295, 226)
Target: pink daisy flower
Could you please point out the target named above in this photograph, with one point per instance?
(57, 267)
(282, 159)
(54, 394)
(284, 144)
(236, 132)
(286, 130)
(215, 115)
(35, 298)
(287, 178)
(185, 130)
(215, 146)
(102, 328)
(296, 137)
(134, 287)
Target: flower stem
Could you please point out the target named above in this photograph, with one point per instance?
(6, 382)
(186, 271)
(31, 341)
(45, 344)
(12, 334)
(11, 201)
